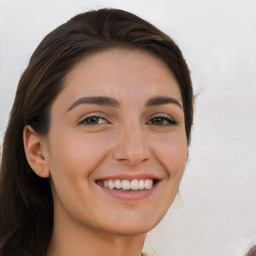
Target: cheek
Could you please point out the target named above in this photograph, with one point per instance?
(72, 160)
(75, 155)
(171, 151)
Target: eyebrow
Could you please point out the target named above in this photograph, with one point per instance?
(112, 102)
(161, 100)
(98, 100)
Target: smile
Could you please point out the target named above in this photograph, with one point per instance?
(127, 185)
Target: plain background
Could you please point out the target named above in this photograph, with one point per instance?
(215, 213)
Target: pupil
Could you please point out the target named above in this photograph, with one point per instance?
(92, 120)
(158, 120)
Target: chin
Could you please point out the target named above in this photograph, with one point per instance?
(133, 225)
(131, 230)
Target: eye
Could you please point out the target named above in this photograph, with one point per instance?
(93, 120)
(162, 120)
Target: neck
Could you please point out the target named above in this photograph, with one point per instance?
(77, 240)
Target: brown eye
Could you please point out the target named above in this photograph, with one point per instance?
(162, 121)
(93, 120)
(157, 121)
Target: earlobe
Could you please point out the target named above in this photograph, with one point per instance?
(34, 146)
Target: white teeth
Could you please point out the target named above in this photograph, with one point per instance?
(111, 184)
(127, 184)
(148, 184)
(118, 184)
(141, 184)
(135, 185)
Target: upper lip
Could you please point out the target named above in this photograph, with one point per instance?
(124, 176)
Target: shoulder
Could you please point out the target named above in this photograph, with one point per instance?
(252, 251)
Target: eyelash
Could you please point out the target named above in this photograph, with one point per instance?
(84, 121)
(168, 119)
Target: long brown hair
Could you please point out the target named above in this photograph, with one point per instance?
(26, 205)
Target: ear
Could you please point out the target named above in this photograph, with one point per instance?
(35, 150)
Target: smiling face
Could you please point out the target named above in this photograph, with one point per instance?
(116, 147)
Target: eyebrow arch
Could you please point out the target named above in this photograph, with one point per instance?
(98, 100)
(161, 100)
(112, 102)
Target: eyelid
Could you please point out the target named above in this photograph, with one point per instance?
(168, 117)
(94, 114)
(164, 116)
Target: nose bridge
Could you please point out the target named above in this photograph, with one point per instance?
(132, 145)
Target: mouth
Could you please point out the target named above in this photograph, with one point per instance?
(128, 185)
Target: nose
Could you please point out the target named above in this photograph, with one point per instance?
(132, 146)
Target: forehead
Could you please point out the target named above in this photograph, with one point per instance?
(121, 73)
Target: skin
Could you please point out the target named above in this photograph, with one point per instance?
(125, 139)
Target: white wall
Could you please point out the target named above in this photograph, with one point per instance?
(216, 211)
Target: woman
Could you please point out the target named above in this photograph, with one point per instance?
(97, 139)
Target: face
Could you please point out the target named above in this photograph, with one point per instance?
(116, 147)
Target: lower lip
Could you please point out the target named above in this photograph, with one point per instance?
(130, 196)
